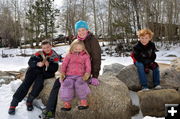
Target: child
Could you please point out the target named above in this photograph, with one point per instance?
(75, 71)
(93, 48)
(42, 65)
(144, 58)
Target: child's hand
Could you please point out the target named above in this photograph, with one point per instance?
(86, 76)
(62, 76)
(94, 81)
(153, 65)
(40, 64)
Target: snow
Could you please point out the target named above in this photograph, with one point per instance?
(148, 117)
(18, 62)
(6, 93)
(163, 55)
(2, 80)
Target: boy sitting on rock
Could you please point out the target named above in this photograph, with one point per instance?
(144, 58)
(42, 65)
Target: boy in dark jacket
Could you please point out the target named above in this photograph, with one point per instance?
(42, 65)
(144, 58)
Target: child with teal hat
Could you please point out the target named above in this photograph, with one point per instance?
(93, 48)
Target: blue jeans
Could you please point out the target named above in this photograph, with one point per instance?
(142, 75)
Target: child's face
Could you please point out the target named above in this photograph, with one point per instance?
(145, 39)
(82, 32)
(78, 48)
(46, 48)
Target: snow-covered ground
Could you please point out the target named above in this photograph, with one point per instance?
(6, 93)
(17, 62)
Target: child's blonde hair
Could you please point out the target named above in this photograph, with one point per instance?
(144, 32)
(75, 43)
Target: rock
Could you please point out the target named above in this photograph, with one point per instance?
(109, 100)
(3, 73)
(170, 78)
(171, 55)
(152, 103)
(6, 77)
(48, 84)
(176, 64)
(115, 68)
(134, 110)
(163, 66)
(23, 70)
(129, 76)
(179, 90)
(17, 75)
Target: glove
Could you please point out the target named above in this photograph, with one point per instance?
(62, 76)
(153, 65)
(94, 81)
(86, 76)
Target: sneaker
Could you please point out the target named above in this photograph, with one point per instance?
(12, 110)
(83, 105)
(29, 106)
(157, 87)
(144, 89)
(67, 106)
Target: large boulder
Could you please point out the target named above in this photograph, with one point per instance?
(48, 84)
(170, 78)
(109, 100)
(153, 102)
(114, 68)
(129, 76)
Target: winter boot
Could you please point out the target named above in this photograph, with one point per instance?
(12, 110)
(83, 105)
(67, 106)
(29, 103)
(47, 115)
(29, 106)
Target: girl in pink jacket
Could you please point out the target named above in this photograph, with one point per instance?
(75, 70)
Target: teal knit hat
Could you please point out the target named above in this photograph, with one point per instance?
(81, 24)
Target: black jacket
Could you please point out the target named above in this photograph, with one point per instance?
(144, 53)
(52, 59)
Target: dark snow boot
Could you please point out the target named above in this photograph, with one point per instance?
(12, 110)
(29, 106)
(29, 103)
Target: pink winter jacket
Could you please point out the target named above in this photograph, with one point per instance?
(76, 64)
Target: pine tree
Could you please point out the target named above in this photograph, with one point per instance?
(41, 16)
